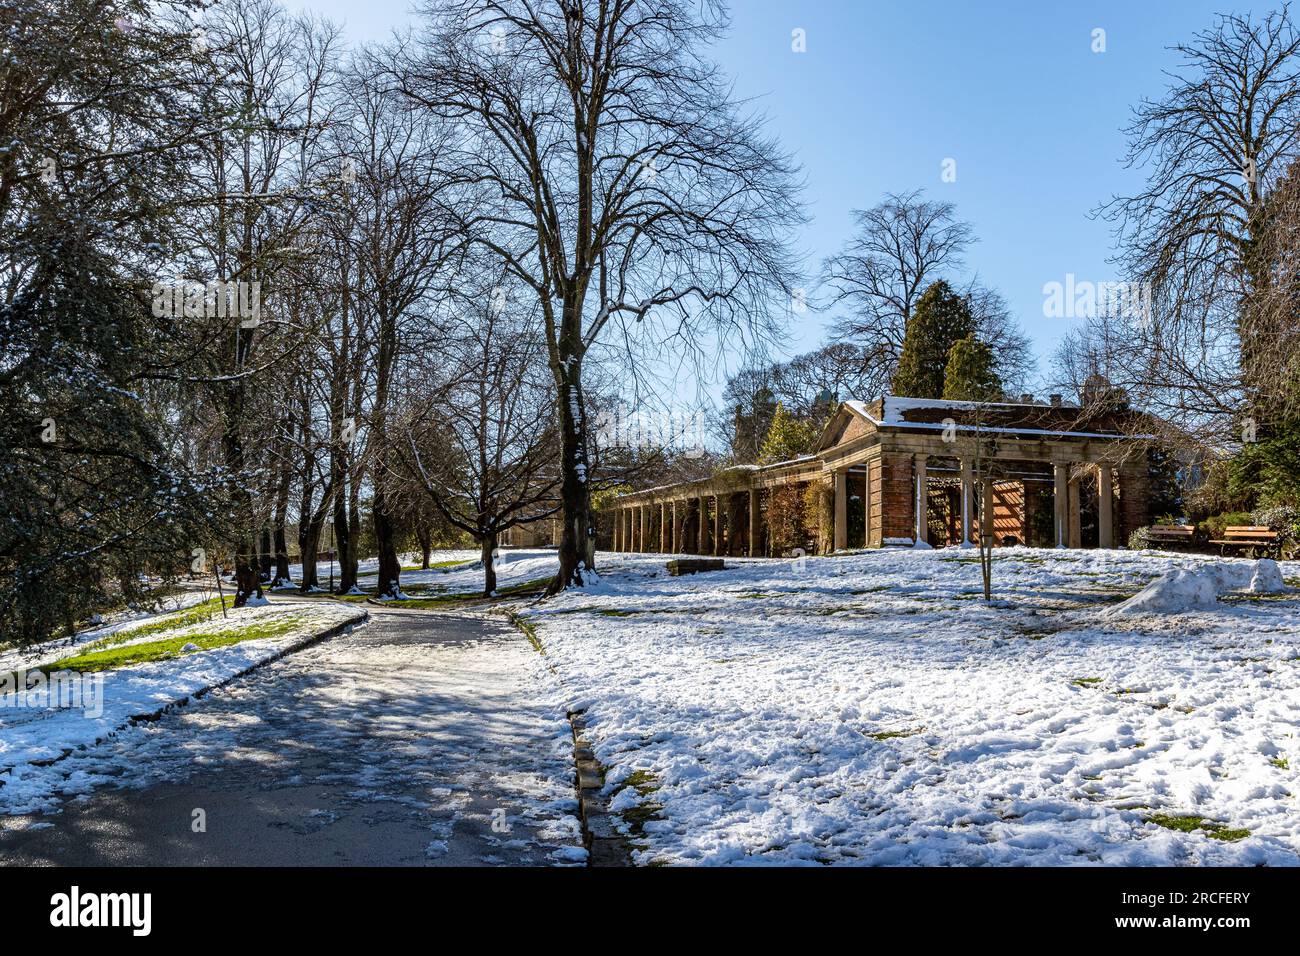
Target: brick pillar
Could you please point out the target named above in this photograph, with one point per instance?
(967, 486)
(840, 540)
(922, 532)
(1134, 496)
(1105, 507)
(897, 520)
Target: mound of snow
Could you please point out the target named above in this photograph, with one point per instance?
(1174, 592)
(1191, 590)
(1267, 578)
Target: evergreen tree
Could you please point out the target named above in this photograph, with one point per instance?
(788, 437)
(940, 319)
(970, 375)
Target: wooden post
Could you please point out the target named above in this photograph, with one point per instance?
(967, 488)
(1060, 476)
(840, 536)
(755, 524)
(922, 533)
(1105, 507)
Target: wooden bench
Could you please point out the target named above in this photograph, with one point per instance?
(682, 566)
(1252, 536)
(1166, 534)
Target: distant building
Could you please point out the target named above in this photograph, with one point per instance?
(905, 472)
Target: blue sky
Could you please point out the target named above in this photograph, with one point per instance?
(886, 91)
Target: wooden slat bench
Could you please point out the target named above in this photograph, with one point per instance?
(1252, 536)
(680, 566)
(1167, 534)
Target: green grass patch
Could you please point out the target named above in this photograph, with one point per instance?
(895, 734)
(1282, 763)
(529, 631)
(121, 655)
(1085, 681)
(644, 783)
(1190, 823)
(187, 617)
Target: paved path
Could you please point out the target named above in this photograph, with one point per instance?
(402, 743)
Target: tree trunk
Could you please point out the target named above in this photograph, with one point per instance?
(281, 517)
(247, 585)
(264, 557)
(342, 543)
(578, 539)
(390, 568)
(354, 534)
(489, 544)
(309, 532)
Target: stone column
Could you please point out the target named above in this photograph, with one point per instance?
(703, 543)
(1105, 507)
(967, 489)
(755, 523)
(663, 527)
(1074, 536)
(1060, 506)
(673, 527)
(618, 529)
(922, 532)
(840, 538)
(717, 524)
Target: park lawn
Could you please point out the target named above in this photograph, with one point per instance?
(872, 708)
(200, 613)
(121, 655)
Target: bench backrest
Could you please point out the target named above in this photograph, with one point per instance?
(1179, 530)
(1249, 531)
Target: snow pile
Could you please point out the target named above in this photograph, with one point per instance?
(1267, 578)
(1193, 589)
(1173, 593)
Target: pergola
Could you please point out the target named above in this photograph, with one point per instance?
(906, 471)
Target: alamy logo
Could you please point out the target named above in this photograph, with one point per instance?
(1081, 299)
(71, 690)
(75, 909)
(218, 299)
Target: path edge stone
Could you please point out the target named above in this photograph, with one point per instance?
(606, 846)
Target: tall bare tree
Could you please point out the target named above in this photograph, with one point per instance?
(629, 186)
(1214, 146)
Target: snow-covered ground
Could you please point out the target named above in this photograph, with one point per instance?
(107, 699)
(874, 709)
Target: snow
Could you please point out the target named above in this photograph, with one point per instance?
(1189, 589)
(32, 734)
(872, 708)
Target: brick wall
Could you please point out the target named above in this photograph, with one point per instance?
(898, 516)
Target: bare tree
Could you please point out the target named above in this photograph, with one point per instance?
(484, 448)
(902, 244)
(630, 188)
(1214, 145)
